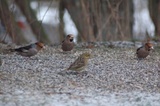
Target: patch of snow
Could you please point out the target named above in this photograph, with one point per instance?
(143, 23)
(111, 99)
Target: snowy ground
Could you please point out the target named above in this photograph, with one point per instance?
(113, 77)
(110, 99)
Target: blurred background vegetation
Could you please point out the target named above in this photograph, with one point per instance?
(49, 21)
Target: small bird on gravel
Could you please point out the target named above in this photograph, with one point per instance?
(144, 51)
(67, 43)
(80, 63)
(29, 50)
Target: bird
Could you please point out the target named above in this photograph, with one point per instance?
(143, 51)
(67, 43)
(29, 50)
(80, 63)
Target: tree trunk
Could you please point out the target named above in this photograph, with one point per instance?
(10, 24)
(154, 6)
(61, 25)
(79, 15)
(32, 20)
(100, 20)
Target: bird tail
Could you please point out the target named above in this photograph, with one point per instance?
(63, 72)
(11, 50)
(16, 50)
(8, 51)
(66, 69)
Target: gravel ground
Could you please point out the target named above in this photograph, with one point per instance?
(113, 77)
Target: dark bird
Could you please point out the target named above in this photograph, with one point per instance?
(29, 50)
(67, 43)
(144, 51)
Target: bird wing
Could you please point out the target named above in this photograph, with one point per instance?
(24, 49)
(139, 48)
(29, 53)
(77, 64)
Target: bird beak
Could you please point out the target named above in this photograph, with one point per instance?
(71, 36)
(44, 47)
(152, 48)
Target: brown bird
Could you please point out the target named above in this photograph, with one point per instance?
(29, 50)
(144, 51)
(68, 44)
(80, 63)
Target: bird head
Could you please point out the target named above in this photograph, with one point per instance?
(70, 37)
(86, 55)
(149, 46)
(39, 45)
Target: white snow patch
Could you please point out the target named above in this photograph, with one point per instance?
(143, 23)
(110, 99)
